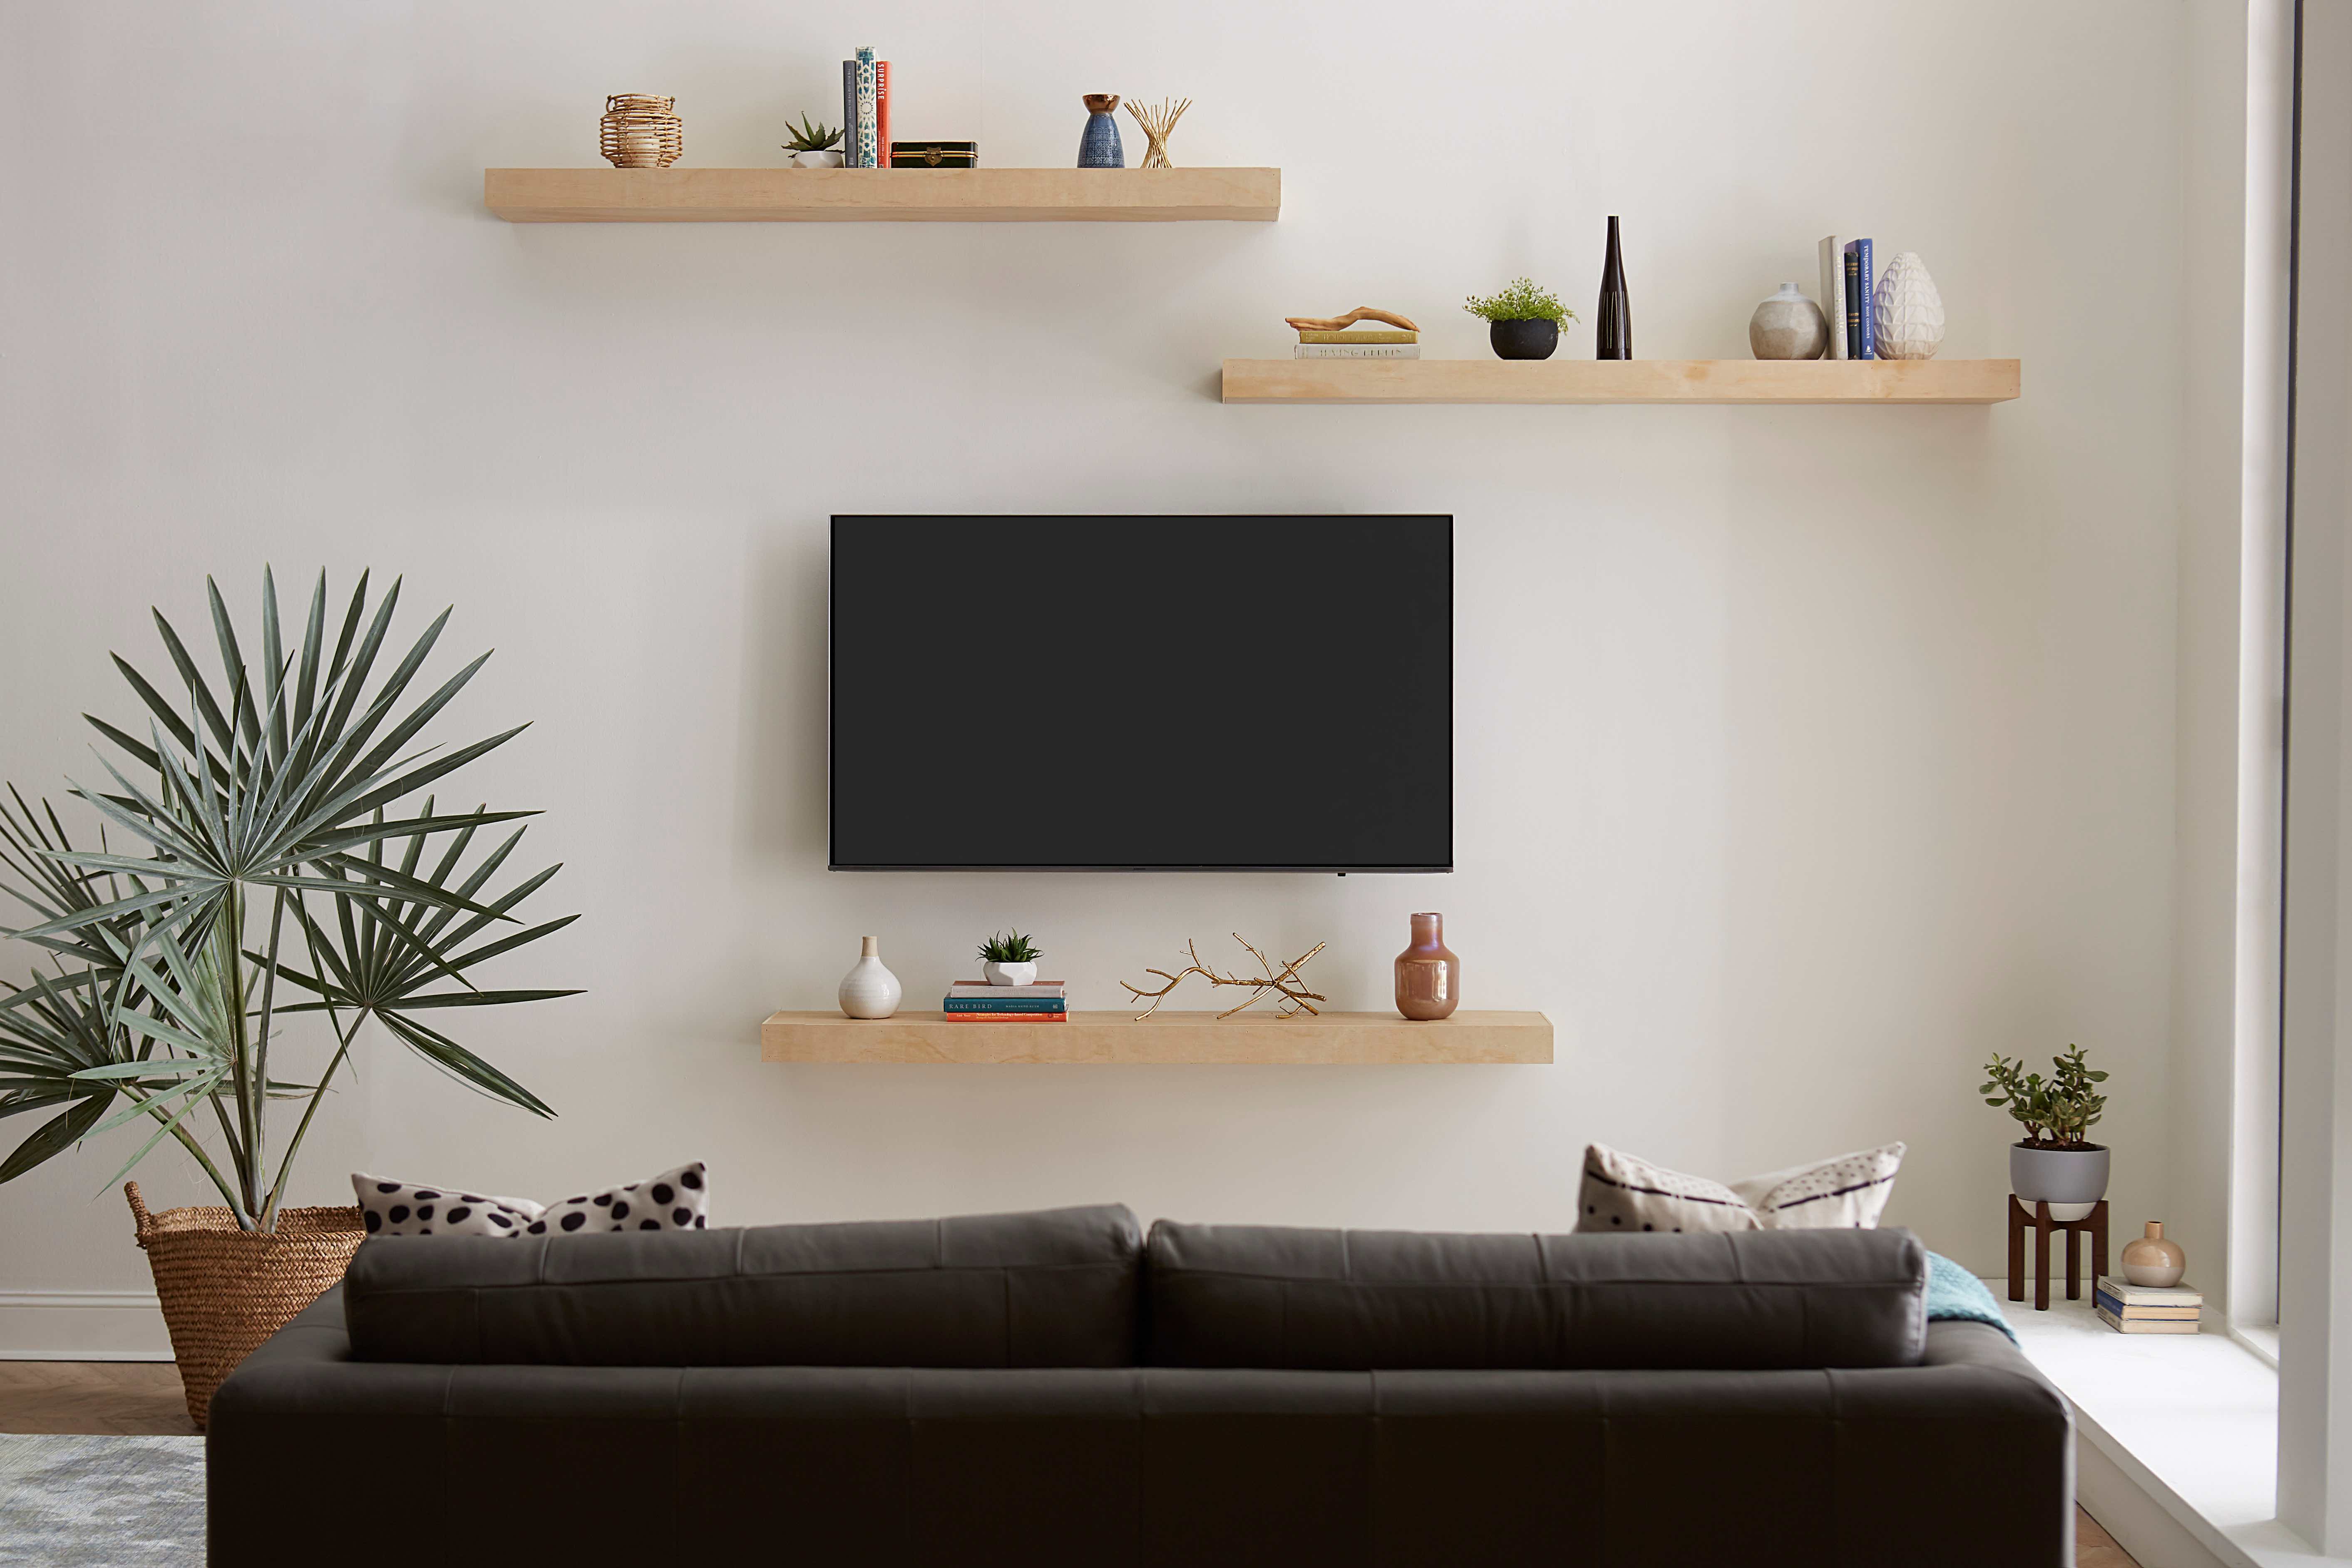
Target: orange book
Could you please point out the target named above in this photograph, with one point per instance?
(1006, 1017)
(882, 114)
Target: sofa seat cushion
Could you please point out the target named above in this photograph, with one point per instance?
(1264, 1296)
(1052, 1288)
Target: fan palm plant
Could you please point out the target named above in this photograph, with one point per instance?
(281, 863)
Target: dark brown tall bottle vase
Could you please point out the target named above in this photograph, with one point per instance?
(1613, 324)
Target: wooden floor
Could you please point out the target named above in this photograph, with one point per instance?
(138, 1397)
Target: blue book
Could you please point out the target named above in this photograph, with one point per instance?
(1006, 1005)
(1865, 335)
(848, 113)
(869, 145)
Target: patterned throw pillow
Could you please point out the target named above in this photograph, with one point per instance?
(675, 1201)
(1622, 1193)
(414, 1209)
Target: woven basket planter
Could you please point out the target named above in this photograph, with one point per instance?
(640, 131)
(224, 1290)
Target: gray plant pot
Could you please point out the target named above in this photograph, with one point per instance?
(2072, 1181)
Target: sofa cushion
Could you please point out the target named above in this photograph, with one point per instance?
(1227, 1295)
(1052, 1288)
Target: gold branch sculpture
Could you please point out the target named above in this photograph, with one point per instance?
(1158, 119)
(1283, 982)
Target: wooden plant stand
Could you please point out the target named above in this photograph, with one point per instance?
(2037, 1220)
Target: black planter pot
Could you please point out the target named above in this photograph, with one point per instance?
(1523, 340)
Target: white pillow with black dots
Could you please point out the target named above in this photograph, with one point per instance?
(677, 1200)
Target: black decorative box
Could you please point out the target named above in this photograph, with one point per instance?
(935, 154)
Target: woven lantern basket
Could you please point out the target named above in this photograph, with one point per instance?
(640, 131)
(224, 1290)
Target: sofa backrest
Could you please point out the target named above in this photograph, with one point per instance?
(1264, 1296)
(1052, 1288)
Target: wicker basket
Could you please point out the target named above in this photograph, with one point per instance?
(224, 1290)
(640, 131)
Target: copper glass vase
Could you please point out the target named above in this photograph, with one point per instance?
(1428, 977)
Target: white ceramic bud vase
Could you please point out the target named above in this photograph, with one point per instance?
(1906, 313)
(869, 990)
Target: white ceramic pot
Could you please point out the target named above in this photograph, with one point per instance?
(2072, 1181)
(1010, 974)
(817, 160)
(869, 990)
(1906, 311)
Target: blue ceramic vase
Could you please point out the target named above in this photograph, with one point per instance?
(1098, 146)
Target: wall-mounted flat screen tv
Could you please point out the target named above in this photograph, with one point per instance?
(1142, 693)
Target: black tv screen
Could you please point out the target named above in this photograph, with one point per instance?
(1142, 693)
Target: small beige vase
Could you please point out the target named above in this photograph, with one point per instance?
(2153, 1261)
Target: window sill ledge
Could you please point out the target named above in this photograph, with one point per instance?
(2177, 1436)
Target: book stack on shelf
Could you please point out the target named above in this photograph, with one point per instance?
(2128, 1308)
(1359, 343)
(977, 1001)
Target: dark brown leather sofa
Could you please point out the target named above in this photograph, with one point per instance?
(1053, 1388)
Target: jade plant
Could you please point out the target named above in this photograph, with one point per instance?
(1009, 947)
(2056, 1113)
(1520, 300)
(264, 849)
(807, 138)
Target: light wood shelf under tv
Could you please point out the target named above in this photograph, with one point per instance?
(1620, 380)
(882, 196)
(1118, 1039)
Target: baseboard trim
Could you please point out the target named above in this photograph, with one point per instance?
(82, 1325)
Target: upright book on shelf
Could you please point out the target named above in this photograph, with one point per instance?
(1832, 299)
(849, 114)
(866, 140)
(1864, 335)
(881, 114)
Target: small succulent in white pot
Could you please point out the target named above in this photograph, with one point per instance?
(813, 146)
(1009, 959)
(2055, 1162)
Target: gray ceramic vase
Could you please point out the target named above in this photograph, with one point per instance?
(2071, 1180)
(1788, 327)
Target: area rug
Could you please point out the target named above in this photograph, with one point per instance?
(101, 1502)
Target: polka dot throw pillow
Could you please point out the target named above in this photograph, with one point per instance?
(1623, 1193)
(675, 1201)
(416, 1208)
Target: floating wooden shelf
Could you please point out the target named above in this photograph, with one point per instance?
(882, 196)
(1620, 380)
(1329, 1039)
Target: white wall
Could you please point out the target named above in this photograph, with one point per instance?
(1805, 755)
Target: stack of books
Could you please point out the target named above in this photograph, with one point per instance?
(1359, 343)
(2128, 1308)
(977, 1001)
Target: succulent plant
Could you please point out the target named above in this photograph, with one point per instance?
(2057, 1113)
(806, 138)
(1009, 947)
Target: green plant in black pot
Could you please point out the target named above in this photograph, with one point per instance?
(2055, 1162)
(1522, 321)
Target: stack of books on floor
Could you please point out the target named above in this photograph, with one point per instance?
(977, 1001)
(1359, 343)
(2143, 1309)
